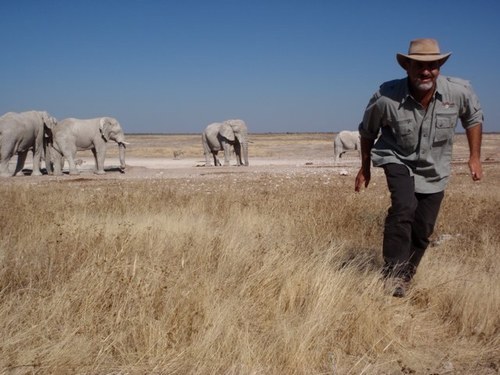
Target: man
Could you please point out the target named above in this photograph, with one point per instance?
(416, 117)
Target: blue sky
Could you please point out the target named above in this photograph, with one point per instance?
(282, 66)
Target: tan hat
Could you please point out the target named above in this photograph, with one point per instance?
(423, 50)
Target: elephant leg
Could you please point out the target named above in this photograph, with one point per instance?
(216, 159)
(57, 162)
(66, 152)
(237, 152)
(207, 160)
(4, 168)
(72, 164)
(211, 158)
(49, 160)
(21, 158)
(227, 152)
(206, 150)
(37, 157)
(54, 162)
(5, 156)
(99, 156)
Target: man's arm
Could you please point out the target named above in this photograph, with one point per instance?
(474, 138)
(364, 174)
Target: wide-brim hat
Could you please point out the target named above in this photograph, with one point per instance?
(425, 49)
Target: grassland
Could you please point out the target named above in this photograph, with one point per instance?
(241, 273)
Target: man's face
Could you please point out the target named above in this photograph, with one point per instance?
(422, 74)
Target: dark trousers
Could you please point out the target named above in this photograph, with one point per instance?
(409, 223)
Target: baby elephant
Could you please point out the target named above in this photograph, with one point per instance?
(71, 135)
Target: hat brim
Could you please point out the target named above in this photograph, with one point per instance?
(402, 58)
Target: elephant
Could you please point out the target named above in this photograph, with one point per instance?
(20, 133)
(72, 135)
(346, 141)
(220, 136)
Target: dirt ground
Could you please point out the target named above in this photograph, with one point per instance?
(152, 156)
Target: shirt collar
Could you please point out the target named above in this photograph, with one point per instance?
(406, 91)
(438, 94)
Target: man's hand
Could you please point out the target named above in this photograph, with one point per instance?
(364, 174)
(474, 137)
(476, 169)
(362, 178)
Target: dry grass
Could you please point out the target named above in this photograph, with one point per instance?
(237, 274)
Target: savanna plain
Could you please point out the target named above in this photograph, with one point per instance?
(175, 268)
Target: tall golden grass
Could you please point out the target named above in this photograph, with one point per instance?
(238, 275)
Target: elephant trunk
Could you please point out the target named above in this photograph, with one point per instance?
(244, 153)
(121, 148)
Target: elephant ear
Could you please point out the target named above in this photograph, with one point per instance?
(227, 132)
(104, 128)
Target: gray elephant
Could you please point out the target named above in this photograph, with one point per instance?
(72, 135)
(346, 141)
(220, 136)
(20, 133)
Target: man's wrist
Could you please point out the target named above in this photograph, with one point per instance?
(365, 164)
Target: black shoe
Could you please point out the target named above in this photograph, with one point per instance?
(398, 278)
(397, 286)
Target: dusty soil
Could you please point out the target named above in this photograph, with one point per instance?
(152, 156)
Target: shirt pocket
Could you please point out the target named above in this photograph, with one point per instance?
(445, 126)
(406, 135)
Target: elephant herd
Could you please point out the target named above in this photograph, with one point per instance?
(57, 141)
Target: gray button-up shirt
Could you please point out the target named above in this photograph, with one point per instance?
(418, 138)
